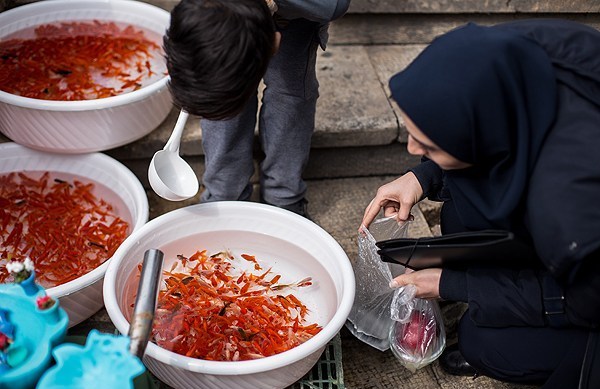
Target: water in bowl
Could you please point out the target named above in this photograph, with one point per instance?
(80, 60)
(283, 258)
(9, 249)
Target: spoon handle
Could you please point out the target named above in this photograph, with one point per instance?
(145, 302)
(175, 138)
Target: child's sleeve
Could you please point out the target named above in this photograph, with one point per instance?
(322, 11)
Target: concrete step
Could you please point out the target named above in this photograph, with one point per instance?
(355, 118)
(420, 6)
(420, 28)
(358, 131)
(353, 110)
(474, 6)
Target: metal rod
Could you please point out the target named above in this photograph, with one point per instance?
(145, 302)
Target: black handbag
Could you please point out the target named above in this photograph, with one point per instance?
(481, 247)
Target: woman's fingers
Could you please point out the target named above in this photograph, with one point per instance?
(404, 212)
(427, 282)
(396, 198)
(390, 209)
(370, 214)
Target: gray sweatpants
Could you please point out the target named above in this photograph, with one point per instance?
(286, 124)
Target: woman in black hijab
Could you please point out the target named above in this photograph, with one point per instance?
(507, 120)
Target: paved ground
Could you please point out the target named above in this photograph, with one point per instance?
(337, 206)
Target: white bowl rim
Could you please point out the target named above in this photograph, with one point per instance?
(83, 105)
(142, 217)
(238, 367)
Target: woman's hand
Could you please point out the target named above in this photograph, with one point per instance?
(396, 197)
(427, 282)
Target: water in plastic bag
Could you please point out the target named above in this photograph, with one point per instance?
(417, 335)
(369, 319)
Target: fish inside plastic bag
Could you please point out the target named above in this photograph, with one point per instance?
(384, 317)
(369, 319)
(417, 335)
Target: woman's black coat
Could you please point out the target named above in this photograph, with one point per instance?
(557, 210)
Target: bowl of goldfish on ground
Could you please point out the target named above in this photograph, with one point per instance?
(79, 76)
(250, 294)
(68, 214)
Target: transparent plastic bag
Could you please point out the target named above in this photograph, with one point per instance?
(369, 319)
(417, 335)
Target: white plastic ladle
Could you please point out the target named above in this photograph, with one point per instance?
(170, 176)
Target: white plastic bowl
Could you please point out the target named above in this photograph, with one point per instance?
(82, 297)
(292, 245)
(87, 125)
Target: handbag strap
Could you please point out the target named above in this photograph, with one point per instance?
(554, 302)
(412, 251)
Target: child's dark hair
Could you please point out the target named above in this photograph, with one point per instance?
(217, 52)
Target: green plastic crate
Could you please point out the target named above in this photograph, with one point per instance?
(327, 372)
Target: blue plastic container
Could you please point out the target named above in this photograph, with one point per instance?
(103, 362)
(35, 333)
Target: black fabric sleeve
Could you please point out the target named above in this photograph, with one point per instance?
(340, 10)
(321, 11)
(507, 297)
(453, 285)
(582, 295)
(431, 178)
(500, 297)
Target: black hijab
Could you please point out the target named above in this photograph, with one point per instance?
(489, 96)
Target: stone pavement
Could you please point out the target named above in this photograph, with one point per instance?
(337, 205)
